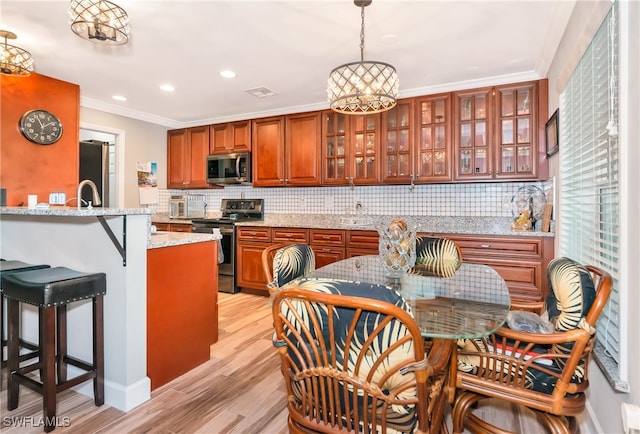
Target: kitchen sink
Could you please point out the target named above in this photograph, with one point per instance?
(356, 221)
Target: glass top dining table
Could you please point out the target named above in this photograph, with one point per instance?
(472, 303)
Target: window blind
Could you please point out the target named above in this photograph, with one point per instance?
(589, 182)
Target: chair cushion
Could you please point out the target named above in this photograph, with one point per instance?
(439, 256)
(399, 418)
(53, 286)
(291, 262)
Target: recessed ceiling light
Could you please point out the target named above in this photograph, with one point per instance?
(119, 97)
(167, 87)
(228, 74)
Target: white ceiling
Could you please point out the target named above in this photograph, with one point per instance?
(287, 46)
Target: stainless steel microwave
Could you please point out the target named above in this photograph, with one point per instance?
(229, 168)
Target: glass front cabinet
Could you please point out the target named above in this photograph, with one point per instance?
(497, 132)
(350, 149)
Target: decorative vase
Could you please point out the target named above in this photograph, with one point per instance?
(397, 247)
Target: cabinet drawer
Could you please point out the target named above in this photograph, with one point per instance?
(366, 240)
(250, 233)
(290, 235)
(180, 227)
(326, 237)
(164, 227)
(499, 247)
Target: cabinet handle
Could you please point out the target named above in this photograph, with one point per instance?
(326, 237)
(485, 246)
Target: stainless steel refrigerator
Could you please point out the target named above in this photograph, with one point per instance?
(94, 165)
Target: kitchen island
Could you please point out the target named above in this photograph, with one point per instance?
(109, 240)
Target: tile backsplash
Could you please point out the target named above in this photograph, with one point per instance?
(461, 200)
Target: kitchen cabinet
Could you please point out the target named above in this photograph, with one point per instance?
(499, 132)
(230, 137)
(290, 235)
(350, 149)
(328, 245)
(187, 151)
(180, 329)
(268, 151)
(286, 150)
(251, 242)
(416, 141)
(362, 242)
(521, 261)
(173, 227)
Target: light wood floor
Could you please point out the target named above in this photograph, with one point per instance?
(240, 390)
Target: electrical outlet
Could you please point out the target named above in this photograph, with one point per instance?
(302, 202)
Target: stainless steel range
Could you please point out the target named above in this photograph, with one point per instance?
(233, 210)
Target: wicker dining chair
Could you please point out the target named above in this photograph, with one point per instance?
(438, 256)
(284, 262)
(353, 360)
(547, 373)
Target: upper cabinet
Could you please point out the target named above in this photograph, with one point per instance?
(499, 132)
(230, 137)
(286, 150)
(416, 141)
(350, 149)
(187, 151)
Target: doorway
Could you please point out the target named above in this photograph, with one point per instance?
(115, 140)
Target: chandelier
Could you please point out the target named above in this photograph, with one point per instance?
(362, 87)
(14, 60)
(99, 21)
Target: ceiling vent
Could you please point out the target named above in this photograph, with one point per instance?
(261, 92)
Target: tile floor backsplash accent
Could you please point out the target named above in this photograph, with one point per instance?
(463, 200)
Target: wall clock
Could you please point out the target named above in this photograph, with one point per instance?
(41, 127)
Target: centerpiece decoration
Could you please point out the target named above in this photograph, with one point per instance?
(397, 247)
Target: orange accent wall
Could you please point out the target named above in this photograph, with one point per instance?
(27, 168)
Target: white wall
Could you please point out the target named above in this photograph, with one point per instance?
(603, 402)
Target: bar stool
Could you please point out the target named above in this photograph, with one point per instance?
(8, 267)
(52, 289)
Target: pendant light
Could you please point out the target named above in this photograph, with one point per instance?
(14, 60)
(364, 86)
(99, 21)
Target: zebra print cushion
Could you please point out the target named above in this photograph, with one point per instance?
(291, 262)
(440, 256)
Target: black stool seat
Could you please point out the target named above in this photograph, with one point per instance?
(53, 286)
(52, 289)
(9, 267)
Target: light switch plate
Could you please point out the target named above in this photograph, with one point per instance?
(57, 198)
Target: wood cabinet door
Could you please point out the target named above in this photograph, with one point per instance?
(433, 143)
(516, 132)
(249, 271)
(302, 149)
(397, 143)
(198, 151)
(230, 137)
(335, 143)
(268, 151)
(177, 152)
(364, 152)
(327, 255)
(473, 123)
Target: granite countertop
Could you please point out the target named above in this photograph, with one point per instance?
(432, 224)
(169, 239)
(71, 211)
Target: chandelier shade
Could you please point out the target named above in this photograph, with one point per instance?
(99, 21)
(14, 60)
(364, 86)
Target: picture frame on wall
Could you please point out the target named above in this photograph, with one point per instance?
(551, 132)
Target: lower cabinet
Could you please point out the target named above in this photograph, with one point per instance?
(173, 227)
(521, 261)
(327, 245)
(182, 309)
(251, 242)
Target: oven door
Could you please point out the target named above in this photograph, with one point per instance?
(226, 268)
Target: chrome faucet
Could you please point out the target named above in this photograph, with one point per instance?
(94, 189)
